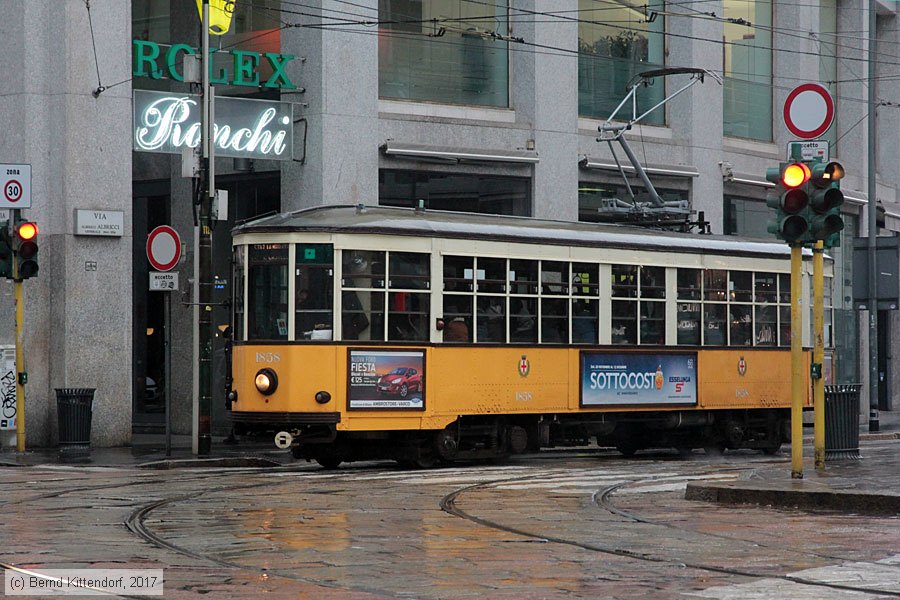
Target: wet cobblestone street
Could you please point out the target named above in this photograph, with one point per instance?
(588, 525)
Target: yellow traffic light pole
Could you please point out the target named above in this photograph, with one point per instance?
(819, 354)
(797, 378)
(20, 343)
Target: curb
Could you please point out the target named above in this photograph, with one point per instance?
(795, 495)
(253, 462)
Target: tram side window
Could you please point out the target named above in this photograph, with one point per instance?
(554, 302)
(740, 310)
(765, 322)
(363, 310)
(314, 285)
(268, 290)
(652, 306)
(784, 309)
(459, 287)
(689, 322)
(624, 312)
(238, 261)
(715, 296)
(490, 303)
(523, 286)
(408, 310)
(585, 310)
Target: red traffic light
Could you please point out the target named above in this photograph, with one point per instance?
(795, 175)
(27, 230)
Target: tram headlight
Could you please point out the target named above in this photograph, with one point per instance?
(323, 397)
(266, 381)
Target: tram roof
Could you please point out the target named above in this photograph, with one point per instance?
(459, 225)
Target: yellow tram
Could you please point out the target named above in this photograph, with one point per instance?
(423, 336)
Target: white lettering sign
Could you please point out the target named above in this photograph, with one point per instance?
(163, 282)
(99, 222)
(243, 128)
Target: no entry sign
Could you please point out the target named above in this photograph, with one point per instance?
(808, 111)
(163, 248)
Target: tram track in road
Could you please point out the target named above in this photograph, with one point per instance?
(602, 499)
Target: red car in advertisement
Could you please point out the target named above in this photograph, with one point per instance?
(400, 382)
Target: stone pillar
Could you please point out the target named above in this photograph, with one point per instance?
(545, 97)
(696, 115)
(78, 316)
(340, 74)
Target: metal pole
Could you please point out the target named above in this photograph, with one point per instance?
(873, 230)
(167, 306)
(797, 378)
(819, 354)
(204, 338)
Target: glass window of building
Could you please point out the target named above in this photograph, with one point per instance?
(747, 217)
(600, 202)
(453, 191)
(748, 69)
(444, 51)
(615, 42)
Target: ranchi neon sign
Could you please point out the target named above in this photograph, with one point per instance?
(167, 123)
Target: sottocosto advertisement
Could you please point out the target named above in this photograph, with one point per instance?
(638, 379)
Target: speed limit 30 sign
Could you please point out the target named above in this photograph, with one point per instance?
(15, 181)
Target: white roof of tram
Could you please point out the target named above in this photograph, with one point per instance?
(458, 225)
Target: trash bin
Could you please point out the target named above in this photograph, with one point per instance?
(842, 422)
(74, 411)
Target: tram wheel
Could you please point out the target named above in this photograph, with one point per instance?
(772, 449)
(329, 462)
(684, 451)
(627, 449)
(714, 449)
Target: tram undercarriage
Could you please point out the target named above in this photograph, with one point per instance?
(486, 437)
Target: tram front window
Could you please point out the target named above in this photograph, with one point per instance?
(267, 292)
(314, 276)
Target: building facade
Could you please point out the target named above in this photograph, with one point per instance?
(481, 106)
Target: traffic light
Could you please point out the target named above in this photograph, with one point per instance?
(790, 199)
(826, 199)
(6, 256)
(25, 247)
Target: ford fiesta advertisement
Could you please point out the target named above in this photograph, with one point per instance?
(639, 379)
(389, 379)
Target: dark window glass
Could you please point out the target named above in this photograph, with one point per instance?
(585, 319)
(363, 315)
(314, 285)
(585, 279)
(741, 333)
(653, 322)
(689, 284)
(491, 275)
(653, 282)
(624, 322)
(488, 194)
(714, 284)
(408, 316)
(409, 270)
(624, 281)
(523, 276)
(554, 321)
(714, 328)
(363, 269)
(459, 274)
(689, 323)
(765, 288)
(491, 319)
(457, 318)
(238, 260)
(741, 286)
(766, 326)
(523, 320)
(267, 293)
(554, 277)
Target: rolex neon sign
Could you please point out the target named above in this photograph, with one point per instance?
(167, 122)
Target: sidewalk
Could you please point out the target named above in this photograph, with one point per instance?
(870, 485)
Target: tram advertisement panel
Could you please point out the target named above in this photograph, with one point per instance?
(641, 379)
(388, 379)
